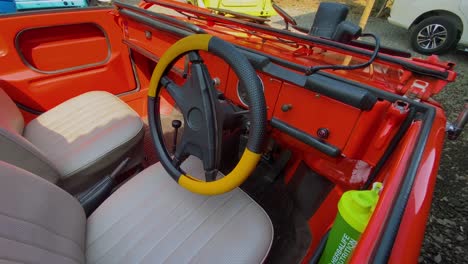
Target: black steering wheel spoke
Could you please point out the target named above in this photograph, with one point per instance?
(178, 158)
(188, 147)
(210, 175)
(197, 100)
(198, 144)
(176, 92)
(210, 172)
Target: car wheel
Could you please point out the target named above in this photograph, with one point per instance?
(434, 35)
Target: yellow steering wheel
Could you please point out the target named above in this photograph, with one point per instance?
(198, 101)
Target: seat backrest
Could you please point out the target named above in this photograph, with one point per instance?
(328, 17)
(10, 116)
(39, 222)
(17, 150)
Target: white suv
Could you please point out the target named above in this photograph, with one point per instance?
(435, 26)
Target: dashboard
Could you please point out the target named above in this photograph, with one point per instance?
(336, 126)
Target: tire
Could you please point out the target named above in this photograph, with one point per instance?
(434, 35)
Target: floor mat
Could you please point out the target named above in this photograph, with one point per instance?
(292, 234)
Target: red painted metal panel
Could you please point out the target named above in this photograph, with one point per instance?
(311, 111)
(52, 49)
(43, 90)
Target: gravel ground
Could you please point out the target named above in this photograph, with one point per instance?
(446, 238)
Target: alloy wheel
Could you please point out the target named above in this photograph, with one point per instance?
(432, 36)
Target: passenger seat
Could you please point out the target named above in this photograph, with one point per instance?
(74, 144)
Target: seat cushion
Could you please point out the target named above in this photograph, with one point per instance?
(151, 219)
(39, 222)
(86, 137)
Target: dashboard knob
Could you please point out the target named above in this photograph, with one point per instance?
(323, 133)
(286, 107)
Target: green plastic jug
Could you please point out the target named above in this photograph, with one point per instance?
(354, 211)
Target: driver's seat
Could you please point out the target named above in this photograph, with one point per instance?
(150, 219)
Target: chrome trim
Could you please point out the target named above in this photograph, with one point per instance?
(240, 97)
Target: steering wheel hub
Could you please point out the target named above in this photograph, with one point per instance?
(194, 118)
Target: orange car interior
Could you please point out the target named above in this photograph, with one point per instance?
(65, 77)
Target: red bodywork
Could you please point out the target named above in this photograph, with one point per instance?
(50, 57)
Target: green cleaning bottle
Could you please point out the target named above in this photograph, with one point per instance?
(354, 211)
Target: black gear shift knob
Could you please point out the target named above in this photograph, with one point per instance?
(176, 124)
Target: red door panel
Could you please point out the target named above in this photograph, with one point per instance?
(49, 57)
(53, 49)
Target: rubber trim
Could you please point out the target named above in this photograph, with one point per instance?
(28, 109)
(176, 22)
(254, 19)
(389, 234)
(302, 136)
(319, 249)
(391, 148)
(154, 23)
(347, 93)
(383, 49)
(45, 11)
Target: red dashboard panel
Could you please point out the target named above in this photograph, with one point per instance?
(310, 111)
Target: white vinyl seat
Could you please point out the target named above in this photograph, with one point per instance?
(150, 219)
(75, 143)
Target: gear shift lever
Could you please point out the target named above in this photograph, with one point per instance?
(176, 124)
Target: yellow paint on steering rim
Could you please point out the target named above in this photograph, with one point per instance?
(192, 42)
(236, 177)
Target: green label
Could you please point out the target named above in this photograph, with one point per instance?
(346, 246)
(341, 242)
